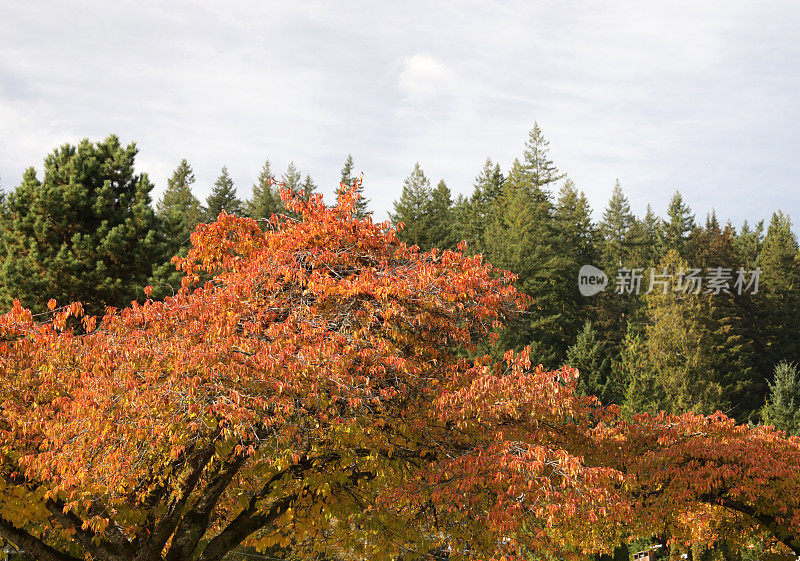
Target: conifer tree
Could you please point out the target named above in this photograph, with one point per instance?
(264, 200)
(749, 241)
(412, 208)
(346, 178)
(778, 300)
(85, 232)
(590, 357)
(782, 409)
(223, 196)
(615, 229)
(679, 224)
(540, 169)
(477, 213)
(179, 209)
(180, 212)
(308, 188)
(439, 218)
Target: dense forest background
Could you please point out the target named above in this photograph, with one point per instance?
(88, 231)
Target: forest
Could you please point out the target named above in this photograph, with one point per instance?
(187, 379)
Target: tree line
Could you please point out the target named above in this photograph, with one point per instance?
(88, 231)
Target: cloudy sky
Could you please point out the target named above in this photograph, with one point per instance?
(696, 96)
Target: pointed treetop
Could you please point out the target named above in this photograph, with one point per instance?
(541, 170)
(223, 197)
(264, 201)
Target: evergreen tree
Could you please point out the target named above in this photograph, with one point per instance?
(680, 222)
(308, 188)
(782, 409)
(523, 239)
(86, 232)
(179, 209)
(347, 179)
(223, 196)
(615, 230)
(412, 208)
(478, 212)
(646, 236)
(540, 169)
(778, 299)
(180, 212)
(439, 218)
(590, 357)
(748, 244)
(264, 201)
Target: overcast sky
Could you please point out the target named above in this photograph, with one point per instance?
(696, 96)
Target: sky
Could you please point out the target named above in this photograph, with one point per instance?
(700, 97)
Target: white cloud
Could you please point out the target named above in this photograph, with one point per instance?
(423, 77)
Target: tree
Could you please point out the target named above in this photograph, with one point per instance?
(264, 201)
(440, 219)
(311, 399)
(615, 229)
(540, 169)
(589, 356)
(180, 212)
(778, 299)
(308, 188)
(478, 212)
(85, 232)
(680, 222)
(223, 197)
(782, 409)
(412, 208)
(347, 180)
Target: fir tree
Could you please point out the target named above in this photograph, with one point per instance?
(778, 299)
(264, 201)
(179, 209)
(439, 218)
(347, 179)
(180, 212)
(477, 213)
(782, 409)
(308, 188)
(86, 232)
(540, 169)
(412, 208)
(679, 224)
(590, 357)
(223, 196)
(615, 229)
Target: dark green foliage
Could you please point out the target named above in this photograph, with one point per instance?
(679, 224)
(590, 357)
(440, 218)
(478, 212)
(85, 232)
(265, 200)
(412, 209)
(347, 179)
(180, 212)
(223, 197)
(615, 230)
(782, 409)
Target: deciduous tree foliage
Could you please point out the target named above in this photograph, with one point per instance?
(312, 397)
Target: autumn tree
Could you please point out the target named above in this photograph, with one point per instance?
(84, 231)
(312, 398)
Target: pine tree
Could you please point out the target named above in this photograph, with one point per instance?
(778, 300)
(264, 201)
(308, 188)
(615, 230)
(223, 196)
(646, 237)
(782, 409)
(439, 218)
(540, 169)
(412, 208)
(590, 357)
(523, 239)
(477, 213)
(749, 242)
(347, 179)
(86, 232)
(179, 211)
(679, 224)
